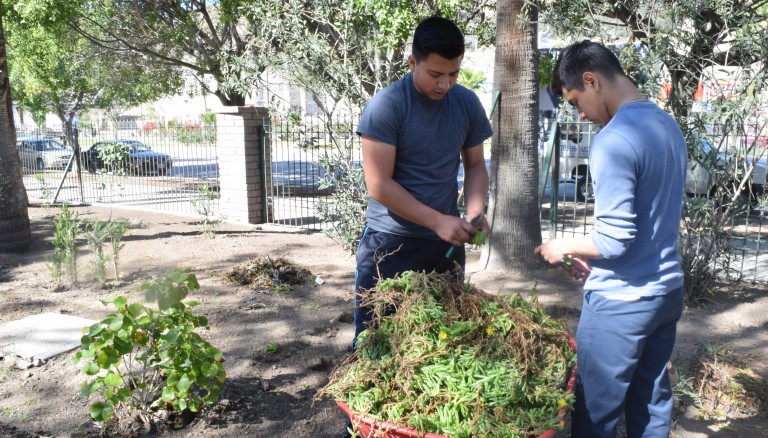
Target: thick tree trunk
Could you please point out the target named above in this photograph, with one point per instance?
(513, 211)
(15, 234)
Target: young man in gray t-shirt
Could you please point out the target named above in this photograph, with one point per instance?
(415, 134)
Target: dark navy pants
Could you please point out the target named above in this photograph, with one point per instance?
(623, 348)
(383, 254)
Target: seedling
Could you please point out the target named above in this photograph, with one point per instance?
(65, 252)
(209, 223)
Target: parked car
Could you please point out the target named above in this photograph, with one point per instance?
(700, 182)
(42, 153)
(574, 165)
(141, 159)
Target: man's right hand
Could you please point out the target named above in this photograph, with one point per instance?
(454, 230)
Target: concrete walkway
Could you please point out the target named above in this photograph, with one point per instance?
(39, 337)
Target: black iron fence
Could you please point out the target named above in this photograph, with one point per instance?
(175, 169)
(304, 154)
(148, 167)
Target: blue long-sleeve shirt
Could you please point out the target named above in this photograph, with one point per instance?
(638, 163)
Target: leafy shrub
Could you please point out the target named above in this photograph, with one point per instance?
(145, 361)
(115, 157)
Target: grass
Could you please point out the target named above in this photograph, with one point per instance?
(313, 306)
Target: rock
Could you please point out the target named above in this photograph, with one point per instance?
(23, 364)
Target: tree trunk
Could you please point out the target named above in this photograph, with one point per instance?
(513, 210)
(230, 99)
(15, 234)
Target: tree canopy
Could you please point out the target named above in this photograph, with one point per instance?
(350, 50)
(686, 37)
(334, 47)
(55, 69)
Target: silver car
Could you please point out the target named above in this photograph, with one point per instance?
(42, 153)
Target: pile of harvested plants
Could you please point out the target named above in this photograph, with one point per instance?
(449, 359)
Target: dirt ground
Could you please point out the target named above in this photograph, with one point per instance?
(270, 394)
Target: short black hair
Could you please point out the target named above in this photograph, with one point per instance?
(437, 35)
(582, 57)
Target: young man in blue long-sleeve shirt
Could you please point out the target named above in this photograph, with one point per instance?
(633, 294)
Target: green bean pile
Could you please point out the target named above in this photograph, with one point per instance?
(449, 359)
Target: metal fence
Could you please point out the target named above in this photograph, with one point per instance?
(172, 169)
(176, 170)
(302, 152)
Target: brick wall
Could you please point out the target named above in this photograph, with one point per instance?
(243, 175)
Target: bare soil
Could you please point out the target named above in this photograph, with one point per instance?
(271, 394)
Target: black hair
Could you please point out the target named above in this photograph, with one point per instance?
(437, 35)
(582, 57)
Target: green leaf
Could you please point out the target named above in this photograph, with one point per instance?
(214, 392)
(180, 404)
(107, 359)
(101, 411)
(114, 323)
(170, 337)
(184, 383)
(90, 368)
(123, 393)
(112, 380)
(135, 309)
(210, 369)
(172, 379)
(168, 394)
(109, 300)
(89, 388)
(123, 346)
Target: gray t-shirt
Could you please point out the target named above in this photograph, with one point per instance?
(428, 136)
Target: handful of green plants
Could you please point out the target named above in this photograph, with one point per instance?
(453, 360)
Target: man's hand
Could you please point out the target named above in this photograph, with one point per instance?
(578, 269)
(556, 252)
(454, 230)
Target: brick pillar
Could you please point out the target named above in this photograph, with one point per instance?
(243, 182)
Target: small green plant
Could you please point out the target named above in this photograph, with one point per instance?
(65, 251)
(46, 192)
(345, 208)
(116, 232)
(205, 208)
(115, 157)
(144, 360)
(272, 348)
(96, 234)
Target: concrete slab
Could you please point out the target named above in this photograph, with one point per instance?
(42, 336)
